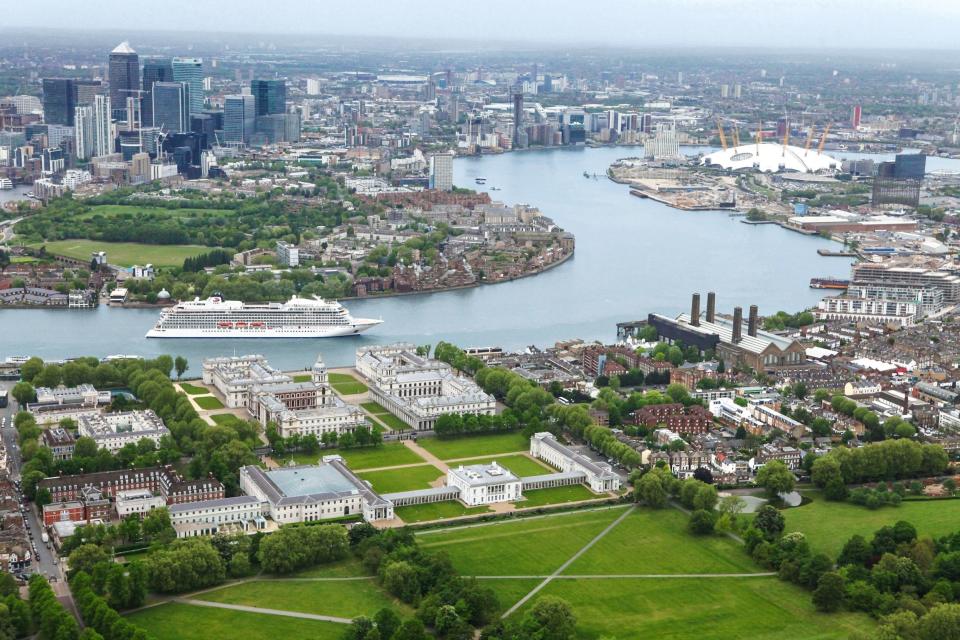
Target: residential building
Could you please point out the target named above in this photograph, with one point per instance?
(288, 254)
(209, 517)
(598, 476)
(102, 129)
(164, 481)
(441, 171)
(83, 132)
(60, 442)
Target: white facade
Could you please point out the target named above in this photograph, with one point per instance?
(83, 131)
(287, 254)
(207, 516)
(113, 431)
(441, 171)
(853, 309)
(102, 129)
(485, 484)
(600, 477)
(418, 390)
(138, 501)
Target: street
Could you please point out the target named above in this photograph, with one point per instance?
(43, 558)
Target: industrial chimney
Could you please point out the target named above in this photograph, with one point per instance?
(752, 322)
(711, 306)
(695, 310)
(737, 324)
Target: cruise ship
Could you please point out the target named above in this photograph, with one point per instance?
(296, 318)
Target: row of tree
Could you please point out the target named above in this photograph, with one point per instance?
(887, 460)
(101, 619)
(51, 620)
(293, 548)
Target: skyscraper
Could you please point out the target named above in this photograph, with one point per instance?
(517, 118)
(171, 106)
(154, 70)
(83, 131)
(124, 73)
(85, 90)
(239, 119)
(441, 171)
(190, 70)
(58, 101)
(102, 134)
(271, 96)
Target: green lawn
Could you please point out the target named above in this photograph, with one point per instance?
(828, 525)
(189, 622)
(346, 384)
(225, 418)
(126, 254)
(656, 541)
(437, 511)
(391, 454)
(348, 568)
(392, 422)
(208, 402)
(474, 446)
(509, 590)
(406, 479)
(519, 464)
(193, 389)
(112, 210)
(303, 377)
(530, 546)
(556, 495)
(342, 598)
(695, 609)
(374, 407)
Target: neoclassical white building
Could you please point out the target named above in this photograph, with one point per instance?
(416, 389)
(113, 431)
(485, 484)
(270, 395)
(598, 476)
(206, 517)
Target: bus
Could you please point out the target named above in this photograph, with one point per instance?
(3, 398)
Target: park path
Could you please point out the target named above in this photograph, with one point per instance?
(569, 561)
(271, 612)
(426, 455)
(644, 576)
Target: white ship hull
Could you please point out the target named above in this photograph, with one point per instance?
(357, 326)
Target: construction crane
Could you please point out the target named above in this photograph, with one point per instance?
(723, 138)
(823, 140)
(806, 147)
(759, 135)
(786, 133)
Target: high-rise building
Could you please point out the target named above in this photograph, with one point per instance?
(517, 118)
(102, 133)
(154, 70)
(58, 101)
(190, 71)
(171, 106)
(84, 91)
(239, 119)
(441, 171)
(855, 117)
(271, 96)
(83, 131)
(124, 74)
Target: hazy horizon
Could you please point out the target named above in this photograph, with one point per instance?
(815, 24)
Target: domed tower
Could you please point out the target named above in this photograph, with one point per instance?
(318, 374)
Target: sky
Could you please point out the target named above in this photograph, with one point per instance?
(804, 24)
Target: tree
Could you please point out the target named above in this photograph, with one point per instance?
(410, 629)
(701, 522)
(24, 393)
(550, 618)
(703, 475)
(387, 622)
(651, 490)
(401, 580)
(769, 521)
(86, 557)
(856, 551)
(776, 478)
(30, 369)
(941, 623)
(828, 596)
(180, 364)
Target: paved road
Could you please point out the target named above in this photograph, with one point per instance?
(566, 564)
(272, 612)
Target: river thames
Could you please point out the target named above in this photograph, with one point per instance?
(633, 256)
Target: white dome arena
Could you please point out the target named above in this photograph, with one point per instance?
(770, 158)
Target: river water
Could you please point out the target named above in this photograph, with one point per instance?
(633, 256)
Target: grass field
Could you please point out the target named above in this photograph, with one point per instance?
(193, 389)
(537, 546)
(406, 479)
(343, 598)
(188, 622)
(475, 446)
(392, 454)
(225, 418)
(346, 384)
(374, 408)
(694, 609)
(392, 422)
(828, 525)
(519, 464)
(437, 511)
(303, 377)
(349, 568)
(112, 210)
(208, 402)
(556, 495)
(127, 254)
(656, 541)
